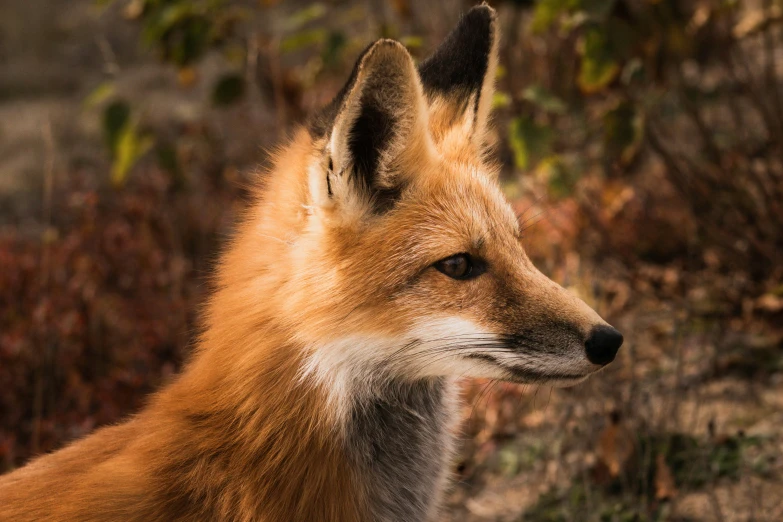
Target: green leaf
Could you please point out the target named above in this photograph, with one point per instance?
(500, 99)
(182, 30)
(529, 141)
(130, 147)
(228, 89)
(541, 97)
(99, 95)
(560, 180)
(176, 13)
(165, 19)
(546, 13)
(115, 118)
(412, 42)
(190, 42)
(598, 67)
(623, 133)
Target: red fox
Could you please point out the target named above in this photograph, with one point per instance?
(378, 263)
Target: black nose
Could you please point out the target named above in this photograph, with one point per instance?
(602, 345)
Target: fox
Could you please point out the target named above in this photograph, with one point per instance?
(377, 265)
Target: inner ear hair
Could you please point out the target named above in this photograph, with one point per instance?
(370, 135)
(383, 112)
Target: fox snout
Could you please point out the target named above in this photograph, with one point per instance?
(553, 335)
(602, 344)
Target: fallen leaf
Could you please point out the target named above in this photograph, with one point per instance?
(617, 447)
(665, 489)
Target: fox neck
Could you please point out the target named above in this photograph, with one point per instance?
(401, 440)
(384, 458)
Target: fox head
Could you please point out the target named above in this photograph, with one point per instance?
(384, 244)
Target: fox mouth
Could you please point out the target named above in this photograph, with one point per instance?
(523, 375)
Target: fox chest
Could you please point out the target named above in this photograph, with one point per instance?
(401, 442)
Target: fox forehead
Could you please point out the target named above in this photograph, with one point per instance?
(450, 209)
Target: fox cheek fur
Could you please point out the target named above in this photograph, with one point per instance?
(378, 262)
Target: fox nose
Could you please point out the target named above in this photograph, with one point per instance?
(602, 345)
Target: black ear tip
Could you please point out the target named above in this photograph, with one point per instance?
(485, 9)
(477, 25)
(461, 62)
(483, 13)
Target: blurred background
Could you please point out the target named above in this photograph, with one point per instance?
(641, 140)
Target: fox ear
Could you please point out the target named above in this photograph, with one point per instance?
(379, 123)
(459, 77)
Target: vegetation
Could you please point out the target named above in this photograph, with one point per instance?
(640, 140)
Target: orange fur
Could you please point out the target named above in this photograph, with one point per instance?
(236, 436)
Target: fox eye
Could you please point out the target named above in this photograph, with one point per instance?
(461, 266)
